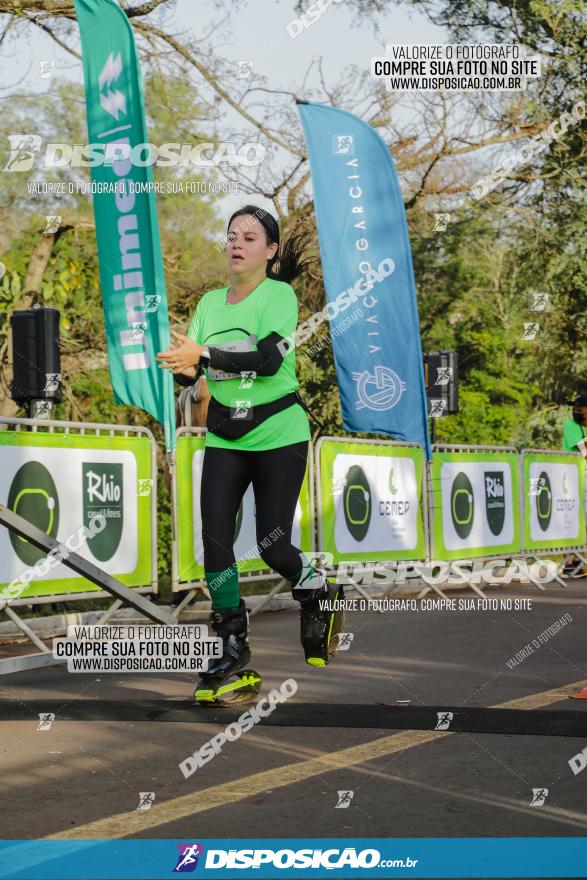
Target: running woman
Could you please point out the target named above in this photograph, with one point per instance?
(242, 336)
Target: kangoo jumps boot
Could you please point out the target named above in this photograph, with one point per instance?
(321, 616)
(215, 686)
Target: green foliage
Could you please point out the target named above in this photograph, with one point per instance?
(164, 537)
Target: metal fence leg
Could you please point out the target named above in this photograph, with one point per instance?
(537, 583)
(360, 590)
(110, 611)
(582, 561)
(429, 587)
(437, 590)
(422, 592)
(267, 598)
(183, 604)
(27, 630)
(385, 594)
(476, 589)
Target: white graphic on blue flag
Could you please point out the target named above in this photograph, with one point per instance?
(385, 386)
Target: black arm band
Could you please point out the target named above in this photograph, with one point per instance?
(264, 362)
(184, 380)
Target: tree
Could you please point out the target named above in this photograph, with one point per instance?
(494, 253)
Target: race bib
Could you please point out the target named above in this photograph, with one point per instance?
(248, 344)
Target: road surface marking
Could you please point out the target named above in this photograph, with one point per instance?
(229, 793)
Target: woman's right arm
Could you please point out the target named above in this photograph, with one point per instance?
(188, 376)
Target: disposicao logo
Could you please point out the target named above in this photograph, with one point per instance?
(329, 859)
(187, 860)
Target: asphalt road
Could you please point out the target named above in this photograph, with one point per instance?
(365, 724)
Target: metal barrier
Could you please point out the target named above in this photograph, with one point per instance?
(327, 545)
(429, 520)
(44, 542)
(435, 508)
(577, 548)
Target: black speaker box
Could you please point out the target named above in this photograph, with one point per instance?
(36, 356)
(441, 375)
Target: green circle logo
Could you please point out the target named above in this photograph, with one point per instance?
(33, 495)
(357, 502)
(544, 501)
(462, 505)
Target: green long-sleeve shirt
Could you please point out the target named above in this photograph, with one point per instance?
(572, 434)
(272, 307)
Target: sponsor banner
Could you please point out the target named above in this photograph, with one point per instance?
(190, 455)
(366, 258)
(63, 482)
(475, 504)
(553, 491)
(149, 859)
(371, 501)
(132, 279)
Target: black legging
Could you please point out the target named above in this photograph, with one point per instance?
(277, 476)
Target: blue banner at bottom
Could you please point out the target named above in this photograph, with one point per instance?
(272, 858)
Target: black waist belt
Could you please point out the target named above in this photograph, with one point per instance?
(232, 423)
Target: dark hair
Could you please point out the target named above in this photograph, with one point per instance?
(289, 257)
(579, 403)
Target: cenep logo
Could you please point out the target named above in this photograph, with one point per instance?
(462, 505)
(544, 501)
(357, 502)
(33, 495)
